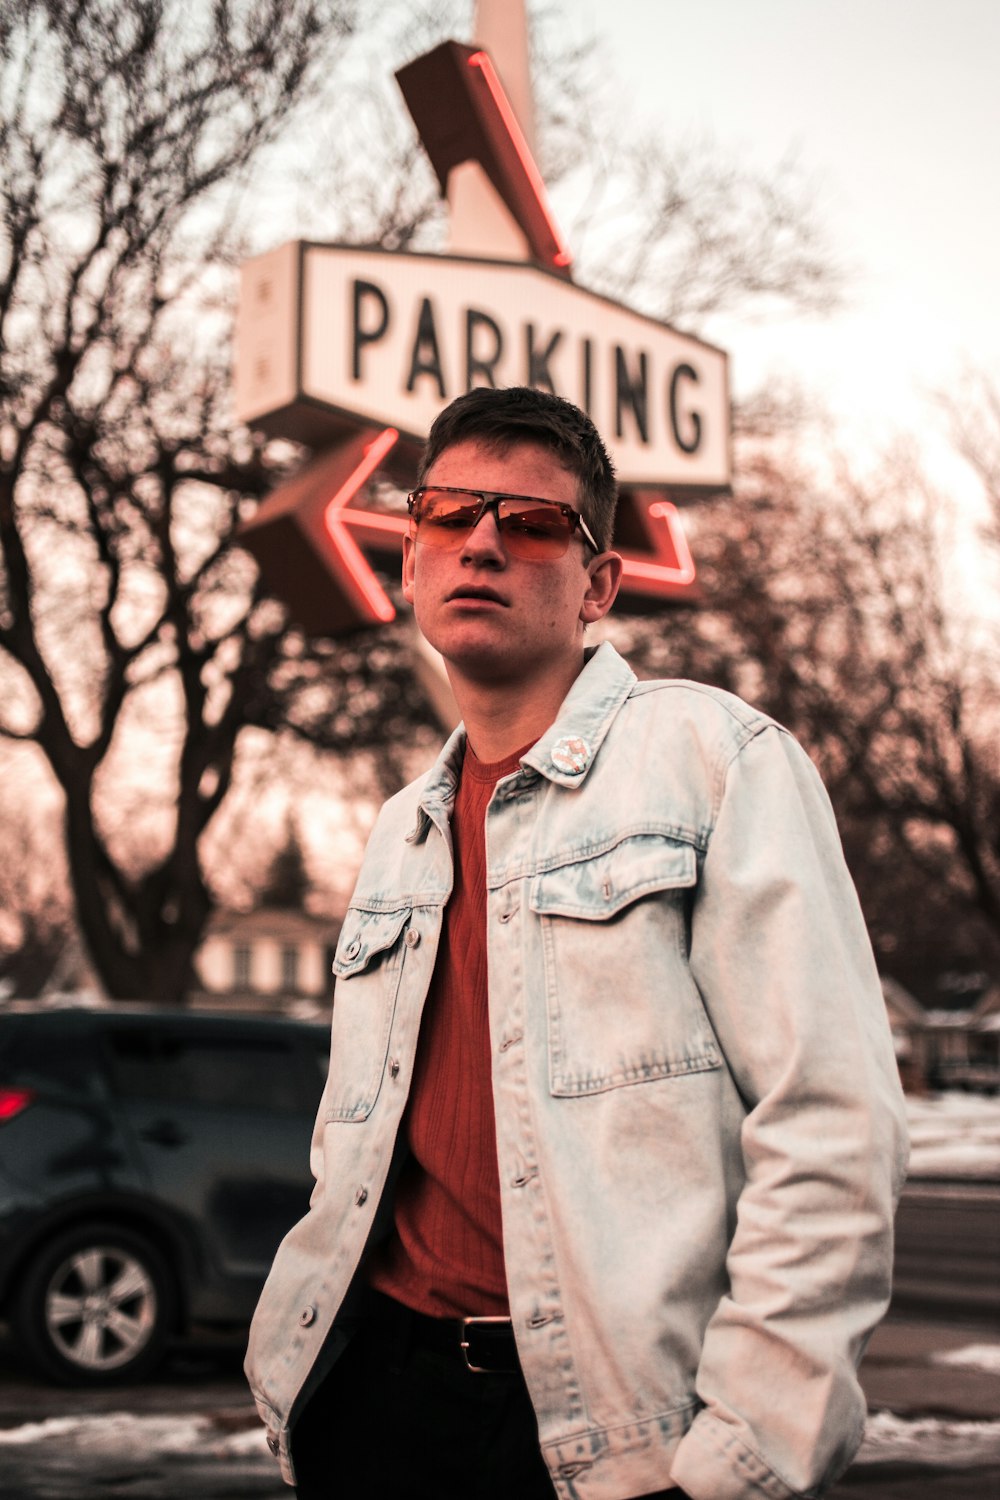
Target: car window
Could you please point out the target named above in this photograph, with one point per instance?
(231, 1073)
(48, 1052)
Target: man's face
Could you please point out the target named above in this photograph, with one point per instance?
(494, 617)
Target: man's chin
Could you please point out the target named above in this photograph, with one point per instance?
(476, 648)
(489, 666)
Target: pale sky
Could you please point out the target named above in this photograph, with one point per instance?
(893, 109)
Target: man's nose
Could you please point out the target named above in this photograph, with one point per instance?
(483, 545)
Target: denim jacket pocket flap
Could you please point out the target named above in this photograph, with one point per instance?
(366, 937)
(601, 887)
(368, 966)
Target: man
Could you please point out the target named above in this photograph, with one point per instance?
(608, 1152)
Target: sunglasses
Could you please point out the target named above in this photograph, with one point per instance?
(532, 529)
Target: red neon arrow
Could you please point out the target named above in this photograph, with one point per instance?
(671, 568)
(375, 606)
(674, 567)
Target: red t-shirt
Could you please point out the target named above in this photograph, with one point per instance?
(446, 1254)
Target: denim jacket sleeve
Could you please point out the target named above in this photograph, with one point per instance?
(782, 959)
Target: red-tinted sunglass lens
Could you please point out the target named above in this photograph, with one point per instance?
(534, 531)
(444, 520)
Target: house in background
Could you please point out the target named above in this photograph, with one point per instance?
(278, 956)
(942, 1049)
(906, 1022)
(270, 958)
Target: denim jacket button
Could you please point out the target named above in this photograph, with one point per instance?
(353, 949)
(361, 1196)
(394, 1068)
(412, 938)
(307, 1316)
(273, 1444)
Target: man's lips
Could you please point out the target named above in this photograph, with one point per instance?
(472, 592)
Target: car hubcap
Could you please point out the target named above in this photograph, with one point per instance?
(101, 1308)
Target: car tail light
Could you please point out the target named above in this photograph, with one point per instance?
(14, 1101)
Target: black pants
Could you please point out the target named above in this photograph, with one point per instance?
(395, 1421)
(398, 1421)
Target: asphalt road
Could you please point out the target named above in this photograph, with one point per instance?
(193, 1433)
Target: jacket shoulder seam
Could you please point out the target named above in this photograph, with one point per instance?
(750, 733)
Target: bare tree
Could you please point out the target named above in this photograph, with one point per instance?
(34, 893)
(973, 412)
(684, 232)
(132, 631)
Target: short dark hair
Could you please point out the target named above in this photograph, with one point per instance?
(519, 414)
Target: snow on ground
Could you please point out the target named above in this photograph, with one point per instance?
(119, 1430)
(936, 1442)
(954, 1135)
(929, 1440)
(124, 1432)
(972, 1357)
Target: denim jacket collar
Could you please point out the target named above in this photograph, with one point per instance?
(564, 753)
(567, 750)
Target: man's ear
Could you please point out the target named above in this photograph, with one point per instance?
(409, 559)
(605, 579)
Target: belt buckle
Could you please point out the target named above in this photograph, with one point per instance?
(468, 1323)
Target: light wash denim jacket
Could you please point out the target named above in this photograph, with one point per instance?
(700, 1128)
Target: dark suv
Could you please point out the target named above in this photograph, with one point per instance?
(150, 1163)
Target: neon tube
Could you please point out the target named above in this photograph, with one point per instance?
(336, 518)
(482, 61)
(684, 571)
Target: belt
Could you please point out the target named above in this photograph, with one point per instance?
(485, 1345)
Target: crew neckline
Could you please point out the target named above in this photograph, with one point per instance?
(482, 770)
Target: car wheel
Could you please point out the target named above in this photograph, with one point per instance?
(96, 1307)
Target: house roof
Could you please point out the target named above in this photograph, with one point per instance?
(906, 1011)
(987, 1007)
(271, 922)
(900, 1004)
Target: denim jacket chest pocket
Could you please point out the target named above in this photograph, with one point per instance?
(367, 966)
(621, 1005)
